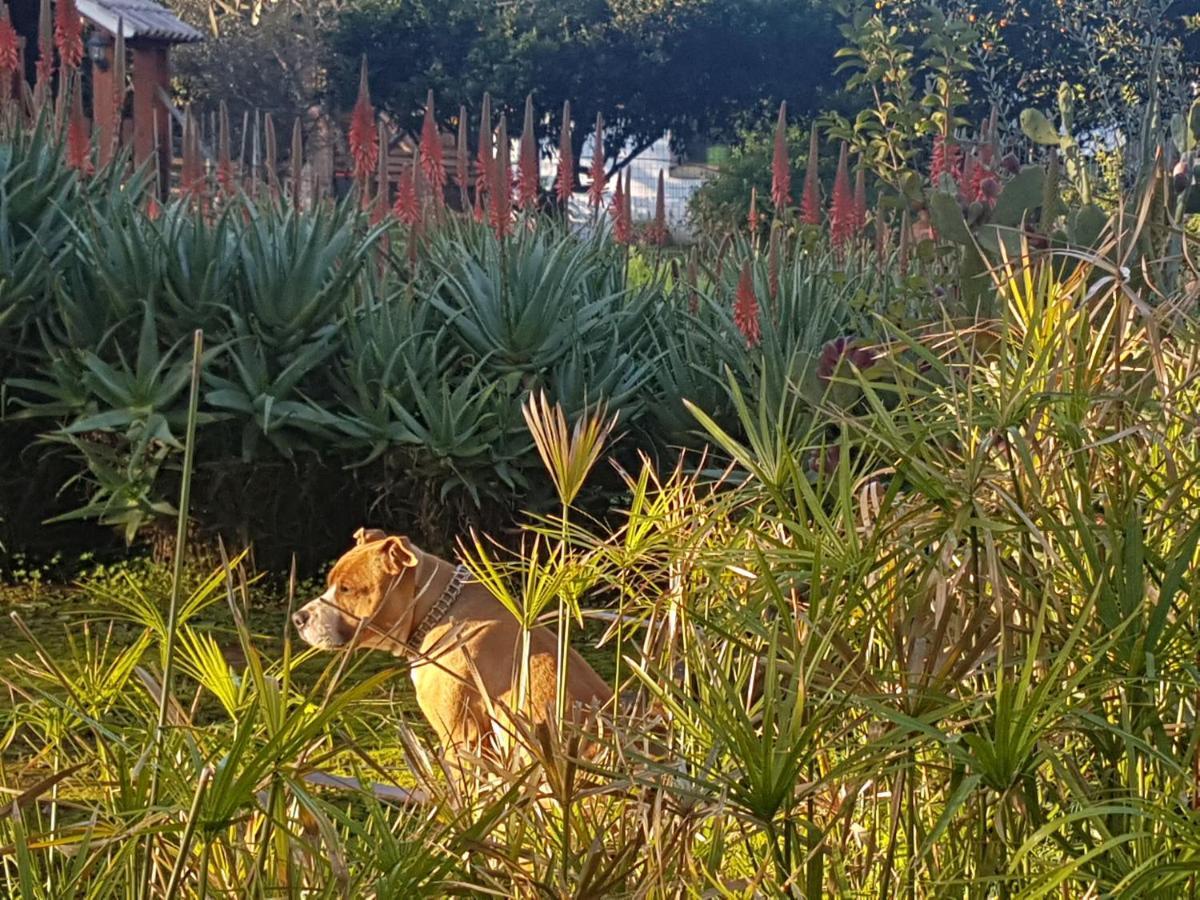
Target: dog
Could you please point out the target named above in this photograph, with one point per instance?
(385, 593)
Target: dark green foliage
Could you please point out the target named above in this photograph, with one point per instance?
(343, 383)
(699, 68)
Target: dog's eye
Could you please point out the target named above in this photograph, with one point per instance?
(342, 589)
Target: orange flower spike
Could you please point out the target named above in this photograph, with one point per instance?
(745, 308)
(462, 158)
(659, 233)
(528, 179)
(484, 156)
(860, 199)
(841, 213)
(501, 187)
(68, 34)
(407, 207)
(433, 160)
(810, 201)
(781, 167)
(596, 190)
(79, 138)
(10, 51)
(565, 182)
(364, 146)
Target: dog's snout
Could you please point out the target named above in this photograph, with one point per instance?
(300, 618)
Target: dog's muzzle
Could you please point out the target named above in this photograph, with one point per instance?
(322, 624)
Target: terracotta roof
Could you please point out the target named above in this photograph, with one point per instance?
(138, 19)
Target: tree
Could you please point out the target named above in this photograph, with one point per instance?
(1101, 48)
(697, 67)
(269, 60)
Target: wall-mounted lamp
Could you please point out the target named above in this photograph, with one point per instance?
(98, 45)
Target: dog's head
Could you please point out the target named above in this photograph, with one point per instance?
(368, 594)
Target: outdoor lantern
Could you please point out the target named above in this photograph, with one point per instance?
(97, 48)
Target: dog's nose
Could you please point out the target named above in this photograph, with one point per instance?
(300, 618)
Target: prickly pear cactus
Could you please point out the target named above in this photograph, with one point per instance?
(1185, 177)
(1041, 130)
(1038, 128)
(981, 230)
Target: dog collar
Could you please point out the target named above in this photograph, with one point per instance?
(438, 611)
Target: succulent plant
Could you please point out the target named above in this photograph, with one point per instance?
(980, 228)
(1039, 129)
(1185, 133)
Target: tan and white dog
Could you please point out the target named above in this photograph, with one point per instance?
(386, 594)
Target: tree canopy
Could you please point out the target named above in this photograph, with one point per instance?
(697, 67)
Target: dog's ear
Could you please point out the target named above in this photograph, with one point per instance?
(368, 535)
(398, 554)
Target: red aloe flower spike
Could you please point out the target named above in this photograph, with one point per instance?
(10, 52)
(810, 201)
(68, 34)
(433, 162)
(987, 154)
(224, 163)
(946, 161)
(628, 213)
(781, 167)
(860, 198)
(745, 308)
(984, 187)
(659, 233)
(596, 190)
(752, 217)
(79, 138)
(421, 188)
(407, 207)
(191, 175)
(270, 156)
(622, 226)
(296, 163)
(565, 182)
(528, 179)
(501, 184)
(617, 208)
(45, 60)
(364, 148)
(841, 213)
(484, 161)
(773, 264)
(462, 159)
(966, 182)
(153, 210)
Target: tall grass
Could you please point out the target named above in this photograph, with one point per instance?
(932, 635)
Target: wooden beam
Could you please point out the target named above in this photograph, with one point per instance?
(104, 112)
(151, 117)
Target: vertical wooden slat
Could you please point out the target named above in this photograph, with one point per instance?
(151, 117)
(104, 104)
